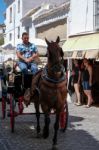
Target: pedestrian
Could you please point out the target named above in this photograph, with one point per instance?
(76, 73)
(27, 53)
(87, 81)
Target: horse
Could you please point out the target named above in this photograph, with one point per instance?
(48, 89)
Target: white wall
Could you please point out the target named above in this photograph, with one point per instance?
(13, 26)
(16, 22)
(28, 23)
(80, 17)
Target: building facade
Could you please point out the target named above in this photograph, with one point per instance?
(14, 13)
(83, 17)
(16, 9)
(83, 29)
(53, 23)
(47, 20)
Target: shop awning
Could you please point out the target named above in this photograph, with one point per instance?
(83, 43)
(75, 54)
(92, 54)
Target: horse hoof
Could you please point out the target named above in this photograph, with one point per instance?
(38, 130)
(45, 133)
(62, 130)
(54, 147)
(38, 135)
(45, 136)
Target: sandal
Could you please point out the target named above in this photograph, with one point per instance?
(78, 104)
(87, 106)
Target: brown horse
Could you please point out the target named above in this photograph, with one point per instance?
(51, 91)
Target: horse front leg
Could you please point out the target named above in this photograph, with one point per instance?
(56, 127)
(38, 118)
(46, 126)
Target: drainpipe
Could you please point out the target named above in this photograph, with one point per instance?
(14, 8)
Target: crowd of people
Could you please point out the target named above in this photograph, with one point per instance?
(81, 78)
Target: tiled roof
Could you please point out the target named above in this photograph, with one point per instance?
(38, 4)
(55, 2)
(30, 12)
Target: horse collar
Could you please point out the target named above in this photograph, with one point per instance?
(45, 77)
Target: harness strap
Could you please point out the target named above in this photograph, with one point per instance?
(45, 77)
(54, 85)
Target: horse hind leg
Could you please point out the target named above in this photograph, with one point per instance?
(56, 127)
(46, 127)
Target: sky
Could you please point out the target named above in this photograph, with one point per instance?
(2, 10)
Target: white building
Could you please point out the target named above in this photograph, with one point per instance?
(48, 19)
(83, 27)
(83, 17)
(16, 10)
(14, 13)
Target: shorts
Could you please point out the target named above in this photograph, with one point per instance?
(86, 85)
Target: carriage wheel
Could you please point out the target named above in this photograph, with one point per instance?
(12, 116)
(3, 107)
(64, 118)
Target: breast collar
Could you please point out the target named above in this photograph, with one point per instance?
(45, 76)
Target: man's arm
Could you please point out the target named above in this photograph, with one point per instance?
(19, 53)
(33, 57)
(20, 56)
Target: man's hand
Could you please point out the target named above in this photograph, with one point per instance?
(27, 60)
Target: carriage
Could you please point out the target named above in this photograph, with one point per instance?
(15, 87)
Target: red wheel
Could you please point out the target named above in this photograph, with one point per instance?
(3, 107)
(64, 118)
(12, 116)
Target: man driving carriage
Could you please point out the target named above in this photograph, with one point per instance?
(27, 53)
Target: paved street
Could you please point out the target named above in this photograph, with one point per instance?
(82, 132)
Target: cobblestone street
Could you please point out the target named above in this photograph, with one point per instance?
(82, 132)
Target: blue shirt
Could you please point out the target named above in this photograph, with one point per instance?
(27, 50)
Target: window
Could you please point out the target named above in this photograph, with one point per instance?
(27, 30)
(4, 30)
(69, 54)
(79, 54)
(18, 6)
(96, 14)
(10, 14)
(18, 32)
(10, 36)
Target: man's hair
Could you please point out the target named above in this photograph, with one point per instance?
(24, 33)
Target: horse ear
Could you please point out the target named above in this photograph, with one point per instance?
(58, 39)
(47, 41)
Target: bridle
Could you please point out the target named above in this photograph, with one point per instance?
(57, 67)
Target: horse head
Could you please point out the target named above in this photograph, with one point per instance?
(55, 56)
